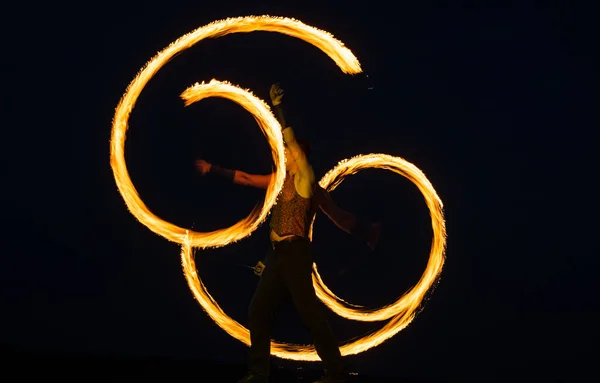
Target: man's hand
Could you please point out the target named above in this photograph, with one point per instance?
(259, 268)
(276, 94)
(202, 166)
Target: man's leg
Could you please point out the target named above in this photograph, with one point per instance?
(266, 298)
(297, 272)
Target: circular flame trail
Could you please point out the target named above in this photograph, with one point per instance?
(411, 300)
(400, 313)
(325, 41)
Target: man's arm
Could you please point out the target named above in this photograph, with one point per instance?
(341, 218)
(304, 168)
(260, 181)
(366, 231)
(239, 177)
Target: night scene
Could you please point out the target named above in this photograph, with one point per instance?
(322, 192)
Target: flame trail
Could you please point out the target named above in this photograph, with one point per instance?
(325, 41)
(399, 313)
(411, 300)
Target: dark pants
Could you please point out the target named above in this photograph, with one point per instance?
(289, 269)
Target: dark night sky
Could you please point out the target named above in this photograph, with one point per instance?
(492, 103)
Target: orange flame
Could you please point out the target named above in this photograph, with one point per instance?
(334, 48)
(400, 313)
(410, 301)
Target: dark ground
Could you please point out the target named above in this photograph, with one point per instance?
(73, 367)
(76, 367)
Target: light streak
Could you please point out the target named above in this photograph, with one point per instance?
(410, 301)
(399, 313)
(325, 41)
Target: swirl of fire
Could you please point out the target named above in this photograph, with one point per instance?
(401, 312)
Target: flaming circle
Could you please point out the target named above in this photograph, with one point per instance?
(399, 313)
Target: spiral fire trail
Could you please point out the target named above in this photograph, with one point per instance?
(399, 313)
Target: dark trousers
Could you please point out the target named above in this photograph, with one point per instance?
(289, 269)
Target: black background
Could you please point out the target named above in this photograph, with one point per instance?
(492, 102)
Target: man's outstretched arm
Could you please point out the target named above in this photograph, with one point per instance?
(239, 177)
